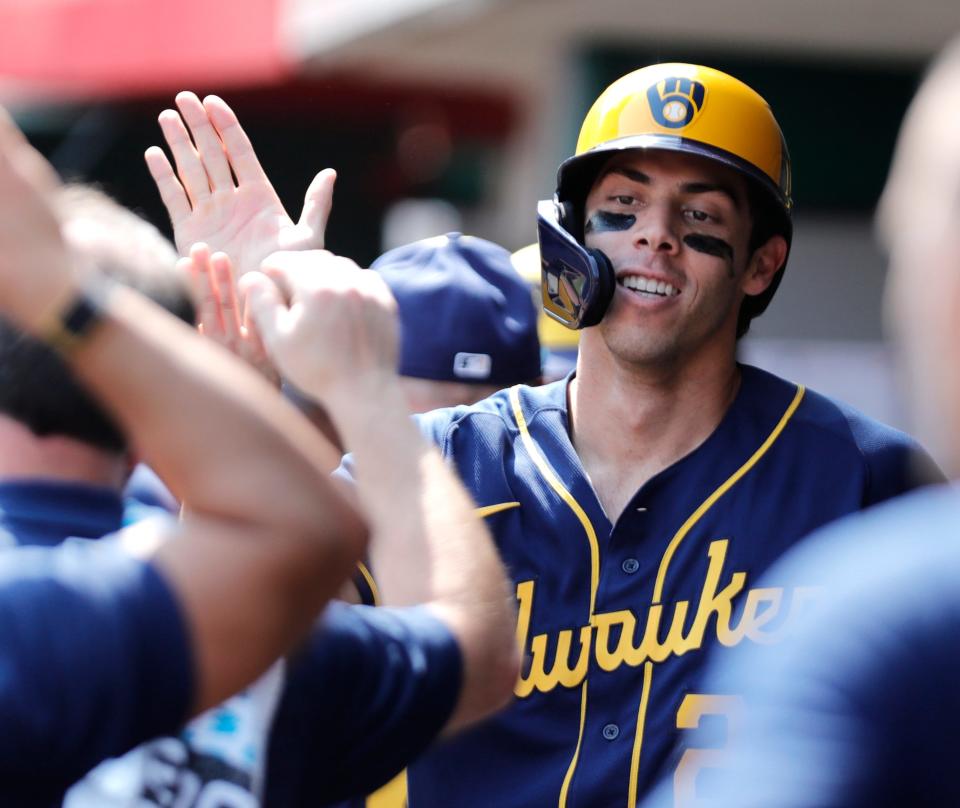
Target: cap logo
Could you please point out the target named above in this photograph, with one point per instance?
(675, 102)
(472, 365)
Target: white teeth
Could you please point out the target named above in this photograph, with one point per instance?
(648, 285)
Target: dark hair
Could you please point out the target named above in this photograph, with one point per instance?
(768, 219)
(36, 386)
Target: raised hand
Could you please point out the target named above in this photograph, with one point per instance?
(37, 278)
(244, 217)
(330, 327)
(218, 310)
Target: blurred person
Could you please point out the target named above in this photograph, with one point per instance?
(636, 502)
(64, 462)
(107, 645)
(856, 707)
(370, 664)
(445, 664)
(467, 327)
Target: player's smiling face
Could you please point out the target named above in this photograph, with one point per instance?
(676, 228)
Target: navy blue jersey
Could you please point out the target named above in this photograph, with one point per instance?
(615, 620)
(355, 711)
(94, 657)
(367, 692)
(857, 708)
(45, 512)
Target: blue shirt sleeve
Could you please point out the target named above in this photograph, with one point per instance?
(94, 658)
(366, 696)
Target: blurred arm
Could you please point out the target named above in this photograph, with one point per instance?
(429, 547)
(267, 541)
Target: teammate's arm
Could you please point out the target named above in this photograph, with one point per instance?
(267, 540)
(430, 547)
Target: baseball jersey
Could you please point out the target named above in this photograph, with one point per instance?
(616, 619)
(95, 658)
(45, 512)
(857, 708)
(365, 694)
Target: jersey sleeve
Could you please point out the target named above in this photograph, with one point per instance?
(366, 696)
(94, 658)
(896, 463)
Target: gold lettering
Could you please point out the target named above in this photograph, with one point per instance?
(560, 673)
(761, 608)
(607, 659)
(714, 602)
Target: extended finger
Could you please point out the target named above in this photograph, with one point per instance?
(317, 204)
(208, 303)
(226, 292)
(239, 149)
(265, 307)
(252, 333)
(189, 168)
(171, 191)
(186, 270)
(207, 141)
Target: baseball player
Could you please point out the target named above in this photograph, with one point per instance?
(858, 708)
(636, 502)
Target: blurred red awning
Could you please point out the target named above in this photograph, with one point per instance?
(129, 47)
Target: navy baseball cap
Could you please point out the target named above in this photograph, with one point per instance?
(465, 313)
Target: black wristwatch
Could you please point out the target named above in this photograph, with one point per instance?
(79, 319)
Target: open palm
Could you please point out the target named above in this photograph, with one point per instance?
(244, 217)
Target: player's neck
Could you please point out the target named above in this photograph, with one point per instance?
(628, 424)
(23, 455)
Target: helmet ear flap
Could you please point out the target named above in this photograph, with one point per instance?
(577, 283)
(566, 215)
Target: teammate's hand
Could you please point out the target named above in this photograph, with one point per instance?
(37, 278)
(330, 327)
(243, 218)
(218, 310)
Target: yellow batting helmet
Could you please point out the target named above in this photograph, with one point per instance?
(691, 109)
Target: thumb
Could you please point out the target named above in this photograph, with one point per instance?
(317, 204)
(265, 306)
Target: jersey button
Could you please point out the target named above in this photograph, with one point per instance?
(630, 565)
(611, 731)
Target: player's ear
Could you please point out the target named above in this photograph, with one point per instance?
(763, 265)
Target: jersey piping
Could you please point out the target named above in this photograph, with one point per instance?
(548, 474)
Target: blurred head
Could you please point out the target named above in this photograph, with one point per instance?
(919, 223)
(36, 387)
(467, 324)
(711, 118)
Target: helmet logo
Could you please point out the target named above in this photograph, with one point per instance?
(677, 103)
